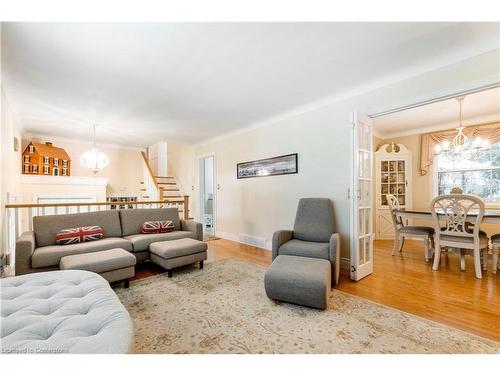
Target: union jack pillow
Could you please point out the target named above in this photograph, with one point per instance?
(157, 227)
(81, 234)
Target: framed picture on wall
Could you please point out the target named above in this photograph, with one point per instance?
(279, 165)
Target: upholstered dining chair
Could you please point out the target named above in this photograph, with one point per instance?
(313, 234)
(401, 230)
(495, 241)
(456, 233)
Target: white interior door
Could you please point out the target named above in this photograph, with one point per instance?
(206, 168)
(361, 197)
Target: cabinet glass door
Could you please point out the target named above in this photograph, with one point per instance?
(393, 181)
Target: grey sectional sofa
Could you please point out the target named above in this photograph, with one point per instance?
(37, 251)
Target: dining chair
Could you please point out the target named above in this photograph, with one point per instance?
(495, 241)
(456, 233)
(401, 230)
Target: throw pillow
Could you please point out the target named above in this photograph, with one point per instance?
(157, 227)
(81, 234)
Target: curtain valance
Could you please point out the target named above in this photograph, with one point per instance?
(428, 142)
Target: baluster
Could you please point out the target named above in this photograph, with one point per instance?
(78, 209)
(43, 211)
(88, 208)
(186, 207)
(30, 218)
(66, 210)
(16, 218)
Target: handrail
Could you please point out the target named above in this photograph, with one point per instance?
(76, 204)
(150, 170)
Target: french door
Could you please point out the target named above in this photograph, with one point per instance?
(361, 197)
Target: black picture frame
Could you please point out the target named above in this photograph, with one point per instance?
(267, 167)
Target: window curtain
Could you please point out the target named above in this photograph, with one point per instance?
(491, 132)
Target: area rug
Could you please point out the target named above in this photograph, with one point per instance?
(223, 308)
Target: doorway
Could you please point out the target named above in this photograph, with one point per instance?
(206, 178)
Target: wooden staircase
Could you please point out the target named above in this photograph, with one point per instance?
(168, 191)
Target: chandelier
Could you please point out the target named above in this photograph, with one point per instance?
(94, 159)
(461, 147)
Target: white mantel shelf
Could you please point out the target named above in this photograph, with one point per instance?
(64, 180)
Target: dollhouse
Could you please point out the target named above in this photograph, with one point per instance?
(45, 159)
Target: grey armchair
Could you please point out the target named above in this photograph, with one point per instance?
(313, 234)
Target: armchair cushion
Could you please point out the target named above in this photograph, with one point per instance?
(279, 238)
(314, 220)
(307, 249)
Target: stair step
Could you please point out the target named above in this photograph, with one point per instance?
(164, 177)
(170, 189)
(166, 183)
(144, 189)
(145, 196)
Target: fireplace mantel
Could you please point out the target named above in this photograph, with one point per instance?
(64, 180)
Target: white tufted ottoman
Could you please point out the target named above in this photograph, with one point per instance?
(63, 312)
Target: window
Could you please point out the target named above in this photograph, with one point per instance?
(45, 160)
(46, 169)
(26, 169)
(27, 158)
(64, 172)
(34, 168)
(480, 176)
(65, 163)
(56, 161)
(31, 149)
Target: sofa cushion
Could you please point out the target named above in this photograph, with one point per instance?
(132, 220)
(51, 255)
(305, 249)
(141, 242)
(46, 227)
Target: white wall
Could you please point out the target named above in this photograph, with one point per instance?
(321, 137)
(10, 165)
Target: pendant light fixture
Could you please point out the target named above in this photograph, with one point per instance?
(461, 147)
(94, 159)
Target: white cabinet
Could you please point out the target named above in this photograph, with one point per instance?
(393, 165)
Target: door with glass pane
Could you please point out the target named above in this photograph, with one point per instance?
(361, 197)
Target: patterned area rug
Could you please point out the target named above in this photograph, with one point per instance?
(224, 309)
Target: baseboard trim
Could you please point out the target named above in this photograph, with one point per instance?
(236, 238)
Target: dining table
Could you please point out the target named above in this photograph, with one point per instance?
(491, 216)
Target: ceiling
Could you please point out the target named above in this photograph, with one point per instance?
(477, 108)
(188, 82)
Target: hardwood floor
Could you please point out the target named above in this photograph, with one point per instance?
(404, 282)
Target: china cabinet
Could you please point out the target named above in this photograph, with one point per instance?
(393, 165)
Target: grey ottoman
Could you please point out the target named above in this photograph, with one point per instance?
(176, 253)
(299, 280)
(114, 265)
